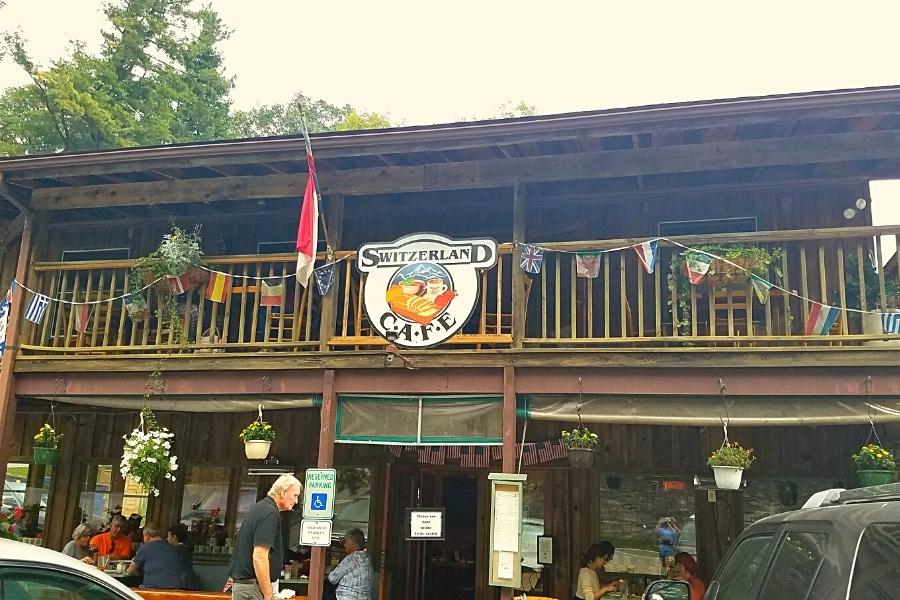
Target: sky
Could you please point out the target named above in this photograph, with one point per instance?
(426, 62)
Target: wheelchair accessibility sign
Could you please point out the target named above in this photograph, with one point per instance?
(318, 494)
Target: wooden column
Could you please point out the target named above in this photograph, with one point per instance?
(519, 301)
(326, 460)
(718, 524)
(334, 218)
(509, 435)
(8, 364)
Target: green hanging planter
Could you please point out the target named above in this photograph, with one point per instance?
(46, 456)
(873, 477)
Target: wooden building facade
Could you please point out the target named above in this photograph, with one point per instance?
(650, 363)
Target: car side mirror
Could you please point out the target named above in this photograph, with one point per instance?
(668, 590)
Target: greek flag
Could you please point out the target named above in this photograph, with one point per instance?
(891, 322)
(4, 322)
(37, 308)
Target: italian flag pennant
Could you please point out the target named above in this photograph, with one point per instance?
(697, 266)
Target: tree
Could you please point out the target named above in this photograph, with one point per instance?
(158, 79)
(285, 119)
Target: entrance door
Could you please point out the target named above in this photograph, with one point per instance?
(435, 570)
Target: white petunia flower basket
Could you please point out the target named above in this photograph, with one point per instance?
(147, 457)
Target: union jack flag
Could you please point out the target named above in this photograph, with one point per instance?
(532, 258)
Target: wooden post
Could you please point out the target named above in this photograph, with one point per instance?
(326, 460)
(509, 436)
(718, 524)
(519, 301)
(334, 216)
(8, 364)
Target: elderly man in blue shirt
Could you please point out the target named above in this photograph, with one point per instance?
(353, 577)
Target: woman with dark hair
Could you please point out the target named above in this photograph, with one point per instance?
(177, 535)
(588, 586)
(686, 570)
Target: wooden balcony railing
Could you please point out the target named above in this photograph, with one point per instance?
(623, 306)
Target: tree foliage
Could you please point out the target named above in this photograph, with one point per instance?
(286, 119)
(158, 78)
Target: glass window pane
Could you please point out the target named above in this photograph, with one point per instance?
(738, 579)
(103, 492)
(29, 583)
(352, 500)
(205, 502)
(247, 497)
(877, 571)
(796, 566)
(532, 527)
(462, 420)
(27, 486)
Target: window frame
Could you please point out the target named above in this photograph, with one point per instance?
(786, 531)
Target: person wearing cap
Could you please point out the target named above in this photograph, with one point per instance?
(667, 532)
(80, 546)
(353, 576)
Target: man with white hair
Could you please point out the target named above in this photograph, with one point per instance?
(259, 551)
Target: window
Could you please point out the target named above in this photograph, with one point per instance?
(104, 492)
(699, 226)
(27, 486)
(28, 583)
(796, 566)
(205, 501)
(877, 570)
(738, 578)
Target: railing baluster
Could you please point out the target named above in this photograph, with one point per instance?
(658, 298)
(482, 321)
(674, 311)
(70, 321)
(804, 283)
(45, 327)
(245, 283)
(589, 306)
(711, 305)
(640, 300)
(863, 284)
(94, 309)
(544, 299)
(499, 328)
(257, 292)
(692, 291)
(59, 327)
(623, 298)
(573, 299)
(107, 322)
(606, 311)
(787, 297)
(345, 319)
(308, 298)
(879, 268)
(845, 326)
(557, 305)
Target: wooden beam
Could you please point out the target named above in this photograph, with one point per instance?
(17, 198)
(868, 145)
(12, 230)
(519, 301)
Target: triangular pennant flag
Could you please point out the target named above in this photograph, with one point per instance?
(646, 253)
(219, 287)
(82, 316)
(696, 266)
(324, 278)
(135, 305)
(532, 259)
(4, 322)
(761, 287)
(37, 308)
(270, 295)
(587, 264)
(821, 319)
(891, 322)
(178, 284)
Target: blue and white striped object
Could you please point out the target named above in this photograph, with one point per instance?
(891, 322)
(37, 308)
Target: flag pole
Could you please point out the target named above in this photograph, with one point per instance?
(328, 251)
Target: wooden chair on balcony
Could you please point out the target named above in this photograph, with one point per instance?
(505, 319)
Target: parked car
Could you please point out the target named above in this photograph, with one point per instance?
(28, 572)
(354, 515)
(841, 545)
(687, 539)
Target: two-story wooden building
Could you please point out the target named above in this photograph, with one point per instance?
(649, 362)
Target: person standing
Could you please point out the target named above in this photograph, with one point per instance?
(80, 546)
(115, 543)
(161, 562)
(353, 577)
(259, 550)
(667, 536)
(588, 586)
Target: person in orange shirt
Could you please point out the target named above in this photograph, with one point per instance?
(686, 570)
(115, 542)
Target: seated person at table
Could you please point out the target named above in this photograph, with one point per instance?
(353, 576)
(588, 586)
(178, 537)
(80, 546)
(163, 563)
(116, 542)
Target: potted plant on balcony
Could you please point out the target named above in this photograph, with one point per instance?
(869, 288)
(147, 456)
(257, 438)
(46, 446)
(729, 463)
(875, 465)
(580, 444)
(174, 267)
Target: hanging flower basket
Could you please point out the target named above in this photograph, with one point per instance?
(728, 464)
(580, 444)
(46, 444)
(875, 465)
(147, 456)
(257, 438)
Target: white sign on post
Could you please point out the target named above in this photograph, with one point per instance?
(315, 533)
(318, 494)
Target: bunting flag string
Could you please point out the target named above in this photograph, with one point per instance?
(324, 278)
(480, 457)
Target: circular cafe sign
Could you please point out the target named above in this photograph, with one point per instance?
(421, 289)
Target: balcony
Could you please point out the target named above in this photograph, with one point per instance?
(623, 307)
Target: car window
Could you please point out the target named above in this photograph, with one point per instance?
(876, 573)
(25, 583)
(358, 510)
(737, 579)
(796, 565)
